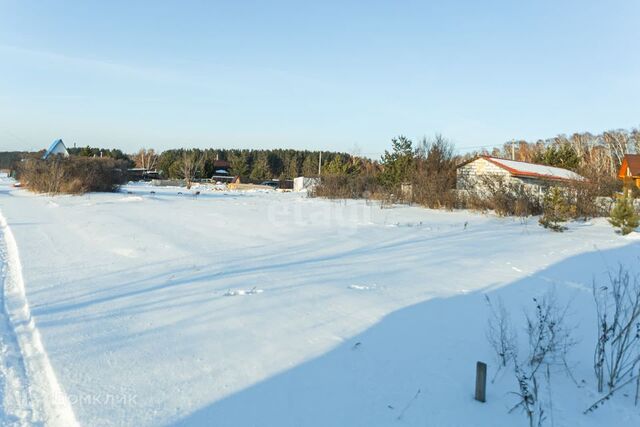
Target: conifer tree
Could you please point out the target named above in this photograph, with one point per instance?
(562, 156)
(261, 168)
(623, 214)
(239, 161)
(310, 166)
(398, 164)
(556, 210)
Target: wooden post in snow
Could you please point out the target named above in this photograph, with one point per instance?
(481, 381)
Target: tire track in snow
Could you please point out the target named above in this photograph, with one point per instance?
(16, 402)
(31, 394)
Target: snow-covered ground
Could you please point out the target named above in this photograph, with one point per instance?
(273, 309)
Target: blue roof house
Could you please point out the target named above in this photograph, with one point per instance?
(56, 147)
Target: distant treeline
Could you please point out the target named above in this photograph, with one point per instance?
(10, 159)
(249, 164)
(585, 153)
(87, 151)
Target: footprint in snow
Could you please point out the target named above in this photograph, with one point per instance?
(362, 287)
(236, 292)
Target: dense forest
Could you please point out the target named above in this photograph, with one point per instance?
(248, 164)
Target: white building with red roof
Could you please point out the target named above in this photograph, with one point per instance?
(473, 173)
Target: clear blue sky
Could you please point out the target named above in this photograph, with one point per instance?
(337, 75)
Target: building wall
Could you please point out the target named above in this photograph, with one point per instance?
(469, 177)
(302, 183)
(59, 149)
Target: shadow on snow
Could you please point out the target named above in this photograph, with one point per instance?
(416, 365)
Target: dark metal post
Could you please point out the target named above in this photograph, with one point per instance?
(481, 381)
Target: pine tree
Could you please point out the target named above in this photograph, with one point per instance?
(239, 161)
(623, 214)
(560, 155)
(556, 211)
(261, 170)
(292, 168)
(310, 165)
(398, 164)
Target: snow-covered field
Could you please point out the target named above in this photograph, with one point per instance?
(273, 309)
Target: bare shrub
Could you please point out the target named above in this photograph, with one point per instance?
(549, 337)
(435, 174)
(587, 192)
(616, 359)
(500, 332)
(549, 340)
(73, 175)
(504, 197)
(350, 187)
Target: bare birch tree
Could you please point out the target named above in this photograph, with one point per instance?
(617, 142)
(146, 159)
(190, 163)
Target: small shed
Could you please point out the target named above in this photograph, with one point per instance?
(471, 174)
(303, 183)
(629, 171)
(56, 147)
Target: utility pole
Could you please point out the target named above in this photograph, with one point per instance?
(320, 164)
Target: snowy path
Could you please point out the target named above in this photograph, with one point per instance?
(31, 395)
(16, 402)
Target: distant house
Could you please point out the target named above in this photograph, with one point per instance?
(56, 147)
(221, 171)
(630, 169)
(472, 174)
